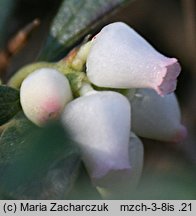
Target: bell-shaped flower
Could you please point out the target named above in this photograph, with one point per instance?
(44, 94)
(156, 117)
(100, 123)
(119, 186)
(121, 58)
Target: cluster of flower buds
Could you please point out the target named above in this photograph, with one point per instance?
(104, 123)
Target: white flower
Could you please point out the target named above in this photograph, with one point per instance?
(44, 94)
(120, 185)
(100, 123)
(121, 58)
(156, 117)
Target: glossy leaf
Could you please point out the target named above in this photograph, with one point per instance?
(73, 21)
(37, 163)
(9, 103)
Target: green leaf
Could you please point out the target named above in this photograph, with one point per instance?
(9, 103)
(13, 137)
(42, 164)
(73, 21)
(6, 9)
(83, 188)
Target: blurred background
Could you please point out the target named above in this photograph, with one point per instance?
(170, 26)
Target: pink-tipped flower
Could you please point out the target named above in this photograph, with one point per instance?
(100, 123)
(44, 94)
(121, 58)
(156, 117)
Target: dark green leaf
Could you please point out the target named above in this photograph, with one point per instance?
(9, 103)
(83, 188)
(13, 137)
(43, 164)
(6, 9)
(73, 21)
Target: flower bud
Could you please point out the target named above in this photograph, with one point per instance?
(156, 117)
(100, 123)
(44, 94)
(121, 58)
